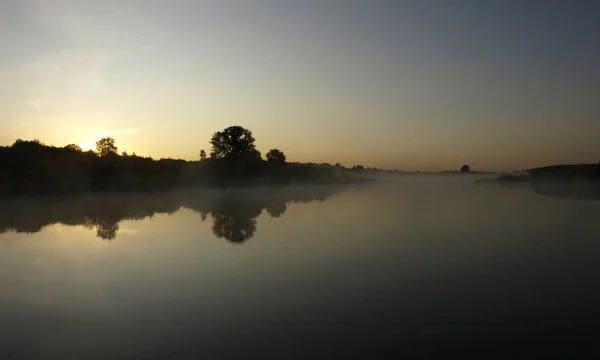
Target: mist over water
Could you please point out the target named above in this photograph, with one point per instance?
(416, 266)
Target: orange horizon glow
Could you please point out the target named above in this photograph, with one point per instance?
(396, 86)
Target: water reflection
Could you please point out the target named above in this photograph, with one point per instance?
(106, 228)
(573, 190)
(581, 190)
(234, 212)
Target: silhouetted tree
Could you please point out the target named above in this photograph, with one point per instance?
(232, 142)
(275, 156)
(30, 168)
(202, 155)
(73, 147)
(465, 169)
(106, 146)
(251, 155)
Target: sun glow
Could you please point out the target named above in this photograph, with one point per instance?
(88, 146)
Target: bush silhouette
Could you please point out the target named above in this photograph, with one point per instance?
(73, 147)
(275, 156)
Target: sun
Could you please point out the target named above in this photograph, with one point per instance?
(88, 146)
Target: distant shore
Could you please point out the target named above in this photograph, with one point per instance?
(562, 181)
(554, 173)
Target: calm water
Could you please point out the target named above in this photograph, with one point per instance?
(433, 267)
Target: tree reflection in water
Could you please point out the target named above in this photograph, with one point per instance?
(234, 228)
(276, 209)
(234, 212)
(106, 228)
(234, 218)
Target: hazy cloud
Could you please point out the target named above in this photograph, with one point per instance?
(90, 36)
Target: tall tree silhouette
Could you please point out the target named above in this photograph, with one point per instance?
(106, 146)
(232, 142)
(202, 155)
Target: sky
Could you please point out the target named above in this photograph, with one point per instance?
(399, 84)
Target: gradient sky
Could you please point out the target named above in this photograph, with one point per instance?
(422, 84)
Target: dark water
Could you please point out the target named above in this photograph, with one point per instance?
(419, 268)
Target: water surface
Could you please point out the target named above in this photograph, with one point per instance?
(421, 266)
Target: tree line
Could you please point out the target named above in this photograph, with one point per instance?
(32, 168)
